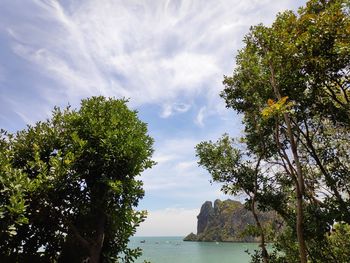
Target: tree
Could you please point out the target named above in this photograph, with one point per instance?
(14, 186)
(83, 165)
(292, 82)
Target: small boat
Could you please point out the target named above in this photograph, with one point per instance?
(143, 241)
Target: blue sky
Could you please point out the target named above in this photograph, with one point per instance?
(168, 57)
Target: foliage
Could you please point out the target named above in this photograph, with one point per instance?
(291, 83)
(72, 181)
(334, 248)
(225, 163)
(276, 108)
(339, 241)
(14, 186)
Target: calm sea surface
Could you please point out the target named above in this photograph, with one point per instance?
(174, 250)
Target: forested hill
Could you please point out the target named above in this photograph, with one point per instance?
(229, 221)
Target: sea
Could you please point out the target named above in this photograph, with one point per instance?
(175, 250)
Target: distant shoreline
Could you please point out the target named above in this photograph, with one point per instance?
(213, 241)
(199, 241)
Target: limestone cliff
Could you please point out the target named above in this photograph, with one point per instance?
(226, 222)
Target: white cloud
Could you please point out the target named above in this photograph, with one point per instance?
(169, 222)
(177, 170)
(160, 159)
(26, 112)
(181, 107)
(200, 117)
(167, 111)
(150, 51)
(171, 109)
(187, 165)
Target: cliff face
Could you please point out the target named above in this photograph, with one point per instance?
(205, 216)
(226, 221)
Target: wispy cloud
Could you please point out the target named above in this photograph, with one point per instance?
(150, 51)
(171, 109)
(200, 116)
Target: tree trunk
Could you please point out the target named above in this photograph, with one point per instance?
(95, 254)
(300, 227)
(94, 244)
(300, 188)
(95, 248)
(300, 185)
(264, 253)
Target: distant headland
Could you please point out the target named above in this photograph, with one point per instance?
(227, 221)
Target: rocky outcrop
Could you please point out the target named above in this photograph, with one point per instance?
(205, 216)
(227, 221)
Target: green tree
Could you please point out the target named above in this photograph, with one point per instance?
(292, 82)
(14, 186)
(83, 167)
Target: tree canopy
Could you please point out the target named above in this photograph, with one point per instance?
(291, 83)
(69, 185)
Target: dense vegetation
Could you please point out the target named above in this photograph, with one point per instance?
(68, 185)
(291, 84)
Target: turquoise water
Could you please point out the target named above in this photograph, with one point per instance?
(174, 250)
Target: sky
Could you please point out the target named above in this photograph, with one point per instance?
(168, 57)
